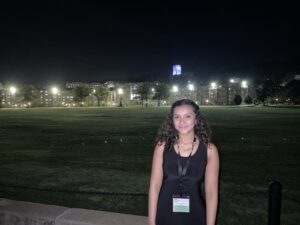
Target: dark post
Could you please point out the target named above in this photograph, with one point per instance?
(274, 203)
(121, 102)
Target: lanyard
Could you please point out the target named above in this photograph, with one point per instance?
(182, 170)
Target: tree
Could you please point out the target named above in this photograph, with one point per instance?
(237, 100)
(265, 90)
(293, 91)
(80, 93)
(144, 91)
(161, 92)
(29, 95)
(248, 100)
(100, 93)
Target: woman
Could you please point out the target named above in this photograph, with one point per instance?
(183, 156)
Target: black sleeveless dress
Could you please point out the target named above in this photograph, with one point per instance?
(191, 187)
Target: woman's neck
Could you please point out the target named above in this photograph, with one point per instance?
(187, 138)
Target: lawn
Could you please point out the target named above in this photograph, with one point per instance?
(100, 158)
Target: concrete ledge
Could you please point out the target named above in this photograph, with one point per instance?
(87, 217)
(27, 213)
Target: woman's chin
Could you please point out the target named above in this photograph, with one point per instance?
(184, 131)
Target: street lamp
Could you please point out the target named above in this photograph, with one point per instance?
(191, 87)
(244, 84)
(12, 90)
(174, 89)
(213, 85)
(213, 92)
(55, 92)
(120, 93)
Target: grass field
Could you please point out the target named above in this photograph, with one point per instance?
(46, 153)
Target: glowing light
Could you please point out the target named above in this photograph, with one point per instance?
(120, 91)
(12, 90)
(191, 87)
(213, 85)
(54, 90)
(244, 84)
(232, 80)
(175, 88)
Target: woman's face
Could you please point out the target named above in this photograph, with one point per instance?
(184, 119)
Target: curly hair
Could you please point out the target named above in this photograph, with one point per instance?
(168, 134)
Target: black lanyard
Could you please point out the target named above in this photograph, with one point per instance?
(182, 170)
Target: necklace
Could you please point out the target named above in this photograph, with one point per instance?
(187, 149)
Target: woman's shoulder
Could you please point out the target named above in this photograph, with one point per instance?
(211, 147)
(159, 150)
(160, 146)
(212, 150)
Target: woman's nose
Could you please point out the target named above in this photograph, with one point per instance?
(181, 120)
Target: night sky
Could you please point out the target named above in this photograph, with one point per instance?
(57, 41)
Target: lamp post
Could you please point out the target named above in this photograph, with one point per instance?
(120, 93)
(12, 91)
(212, 88)
(174, 90)
(244, 86)
(191, 88)
(55, 92)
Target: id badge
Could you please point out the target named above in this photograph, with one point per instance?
(181, 204)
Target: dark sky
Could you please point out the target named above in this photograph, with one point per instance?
(58, 41)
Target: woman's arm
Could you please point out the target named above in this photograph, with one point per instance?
(211, 184)
(155, 182)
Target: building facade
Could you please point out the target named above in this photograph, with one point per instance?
(123, 94)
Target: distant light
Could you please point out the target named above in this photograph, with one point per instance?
(174, 88)
(191, 87)
(152, 89)
(12, 90)
(244, 84)
(213, 85)
(94, 91)
(54, 90)
(176, 70)
(232, 80)
(206, 100)
(120, 91)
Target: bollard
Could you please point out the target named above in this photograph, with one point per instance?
(274, 203)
